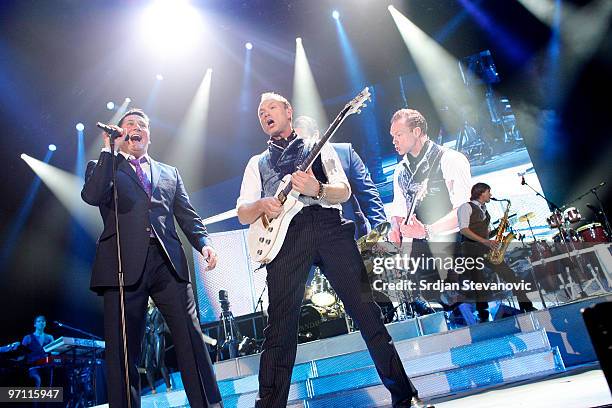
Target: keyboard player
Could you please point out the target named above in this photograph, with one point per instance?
(34, 344)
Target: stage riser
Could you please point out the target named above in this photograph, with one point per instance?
(348, 343)
(415, 363)
(359, 386)
(332, 391)
(442, 340)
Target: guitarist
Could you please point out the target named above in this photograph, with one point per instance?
(364, 207)
(429, 184)
(316, 234)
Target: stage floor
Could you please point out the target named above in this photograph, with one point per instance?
(584, 389)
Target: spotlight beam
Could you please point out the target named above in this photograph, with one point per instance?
(306, 98)
(438, 68)
(67, 188)
(189, 148)
(12, 233)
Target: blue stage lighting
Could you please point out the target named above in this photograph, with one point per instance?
(52, 147)
(80, 127)
(248, 46)
(336, 14)
(110, 105)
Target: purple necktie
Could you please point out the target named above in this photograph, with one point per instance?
(144, 180)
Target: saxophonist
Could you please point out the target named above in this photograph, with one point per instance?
(475, 227)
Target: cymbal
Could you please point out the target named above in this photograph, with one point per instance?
(529, 216)
(378, 232)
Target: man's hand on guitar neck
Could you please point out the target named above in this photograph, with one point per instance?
(305, 183)
(412, 229)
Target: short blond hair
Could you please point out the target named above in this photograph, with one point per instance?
(412, 118)
(266, 96)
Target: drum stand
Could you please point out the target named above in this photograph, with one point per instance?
(537, 283)
(555, 208)
(569, 248)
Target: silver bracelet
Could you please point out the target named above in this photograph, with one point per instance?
(322, 191)
(428, 232)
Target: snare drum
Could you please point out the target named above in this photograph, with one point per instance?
(594, 232)
(555, 220)
(572, 215)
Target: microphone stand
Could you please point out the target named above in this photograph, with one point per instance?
(601, 207)
(120, 275)
(90, 335)
(562, 235)
(540, 256)
(260, 304)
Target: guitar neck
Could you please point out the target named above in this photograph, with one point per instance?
(316, 150)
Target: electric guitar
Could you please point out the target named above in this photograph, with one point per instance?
(265, 236)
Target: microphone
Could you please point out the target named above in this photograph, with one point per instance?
(114, 133)
(58, 323)
(523, 182)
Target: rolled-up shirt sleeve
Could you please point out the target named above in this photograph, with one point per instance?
(333, 168)
(456, 171)
(250, 190)
(464, 212)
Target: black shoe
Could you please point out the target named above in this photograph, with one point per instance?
(414, 402)
(527, 307)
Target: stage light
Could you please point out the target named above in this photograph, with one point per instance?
(191, 136)
(80, 127)
(306, 97)
(437, 67)
(110, 105)
(335, 15)
(128, 100)
(171, 26)
(298, 40)
(66, 186)
(52, 147)
(248, 46)
(22, 156)
(159, 77)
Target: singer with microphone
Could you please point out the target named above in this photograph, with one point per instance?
(475, 229)
(149, 195)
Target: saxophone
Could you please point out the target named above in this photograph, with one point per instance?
(496, 256)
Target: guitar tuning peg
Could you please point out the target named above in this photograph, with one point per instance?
(369, 99)
(358, 111)
(364, 105)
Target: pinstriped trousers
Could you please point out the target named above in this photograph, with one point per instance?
(319, 235)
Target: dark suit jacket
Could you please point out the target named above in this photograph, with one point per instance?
(137, 214)
(364, 206)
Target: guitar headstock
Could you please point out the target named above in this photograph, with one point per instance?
(358, 102)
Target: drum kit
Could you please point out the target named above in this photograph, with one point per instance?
(321, 303)
(568, 238)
